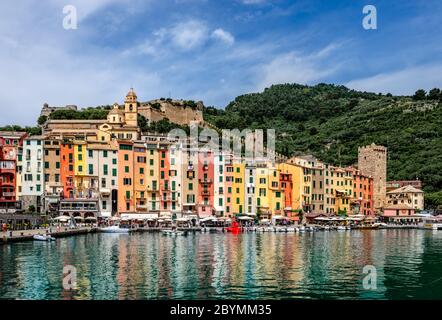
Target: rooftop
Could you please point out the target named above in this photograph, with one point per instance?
(406, 189)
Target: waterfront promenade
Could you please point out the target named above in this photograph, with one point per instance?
(57, 232)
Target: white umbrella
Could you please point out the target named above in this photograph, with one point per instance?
(79, 218)
(62, 218)
(91, 218)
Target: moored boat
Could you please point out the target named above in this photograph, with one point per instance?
(168, 232)
(42, 237)
(114, 229)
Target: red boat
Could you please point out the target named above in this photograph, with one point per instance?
(234, 228)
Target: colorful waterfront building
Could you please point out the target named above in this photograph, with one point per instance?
(175, 174)
(67, 170)
(9, 149)
(103, 162)
(249, 185)
(52, 165)
(32, 186)
(205, 203)
(269, 195)
(139, 178)
(218, 184)
(164, 181)
(362, 193)
(189, 184)
(238, 194)
(228, 184)
(126, 203)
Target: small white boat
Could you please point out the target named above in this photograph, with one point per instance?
(114, 229)
(173, 233)
(269, 229)
(326, 228)
(281, 229)
(291, 229)
(41, 237)
(341, 228)
(302, 229)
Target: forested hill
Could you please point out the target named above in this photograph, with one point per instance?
(331, 121)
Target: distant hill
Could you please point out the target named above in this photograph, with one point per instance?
(331, 121)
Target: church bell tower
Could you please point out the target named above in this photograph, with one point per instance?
(131, 108)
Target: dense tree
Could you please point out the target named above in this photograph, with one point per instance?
(420, 94)
(434, 94)
(41, 120)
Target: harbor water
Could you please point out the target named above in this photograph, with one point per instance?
(319, 265)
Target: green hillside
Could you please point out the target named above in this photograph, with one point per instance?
(331, 121)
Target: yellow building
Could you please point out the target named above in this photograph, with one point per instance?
(238, 188)
(268, 193)
(302, 182)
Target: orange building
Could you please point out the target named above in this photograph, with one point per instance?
(286, 182)
(362, 193)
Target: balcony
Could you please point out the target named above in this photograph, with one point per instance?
(205, 192)
(205, 180)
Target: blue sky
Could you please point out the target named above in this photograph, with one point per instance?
(208, 50)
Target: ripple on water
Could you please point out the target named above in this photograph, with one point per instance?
(225, 266)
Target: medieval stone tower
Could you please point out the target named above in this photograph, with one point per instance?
(131, 108)
(372, 161)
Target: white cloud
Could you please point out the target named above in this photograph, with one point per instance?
(295, 67)
(189, 35)
(402, 82)
(223, 35)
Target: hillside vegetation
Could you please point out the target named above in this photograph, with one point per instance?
(331, 121)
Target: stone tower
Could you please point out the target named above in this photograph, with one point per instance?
(372, 161)
(131, 108)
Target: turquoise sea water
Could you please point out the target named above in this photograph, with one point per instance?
(322, 265)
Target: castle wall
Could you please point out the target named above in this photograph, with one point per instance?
(175, 112)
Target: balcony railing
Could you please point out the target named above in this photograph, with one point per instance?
(205, 180)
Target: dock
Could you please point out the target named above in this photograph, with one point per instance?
(56, 232)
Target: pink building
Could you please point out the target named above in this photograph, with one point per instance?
(205, 193)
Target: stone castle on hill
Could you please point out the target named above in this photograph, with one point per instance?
(177, 111)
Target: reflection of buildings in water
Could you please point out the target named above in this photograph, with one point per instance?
(204, 265)
(105, 255)
(163, 267)
(131, 268)
(236, 259)
(220, 265)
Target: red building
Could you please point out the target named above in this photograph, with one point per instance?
(67, 169)
(10, 146)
